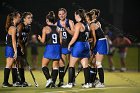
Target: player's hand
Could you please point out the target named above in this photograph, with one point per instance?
(90, 40)
(63, 25)
(39, 37)
(15, 55)
(22, 51)
(69, 46)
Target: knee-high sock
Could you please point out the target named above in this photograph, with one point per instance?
(86, 74)
(46, 72)
(14, 75)
(54, 75)
(22, 74)
(6, 75)
(101, 74)
(93, 73)
(71, 74)
(61, 73)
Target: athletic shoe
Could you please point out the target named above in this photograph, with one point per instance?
(5, 85)
(69, 85)
(90, 85)
(53, 85)
(96, 82)
(49, 82)
(86, 85)
(74, 84)
(112, 69)
(100, 85)
(17, 84)
(25, 84)
(123, 69)
(60, 84)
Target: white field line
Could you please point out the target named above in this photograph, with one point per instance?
(84, 89)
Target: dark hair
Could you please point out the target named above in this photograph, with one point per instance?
(81, 13)
(51, 16)
(97, 12)
(9, 20)
(90, 15)
(62, 9)
(25, 14)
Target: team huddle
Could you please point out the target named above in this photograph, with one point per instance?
(82, 42)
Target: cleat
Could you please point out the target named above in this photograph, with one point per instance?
(5, 85)
(90, 85)
(69, 85)
(96, 82)
(100, 85)
(49, 82)
(17, 84)
(123, 69)
(86, 85)
(53, 85)
(60, 84)
(25, 84)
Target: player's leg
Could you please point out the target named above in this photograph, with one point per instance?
(99, 59)
(9, 62)
(93, 71)
(9, 53)
(45, 70)
(54, 73)
(15, 74)
(61, 69)
(122, 61)
(84, 63)
(71, 72)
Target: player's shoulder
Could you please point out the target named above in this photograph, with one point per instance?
(12, 28)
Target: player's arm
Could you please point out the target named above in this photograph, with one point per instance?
(55, 24)
(75, 36)
(92, 28)
(13, 33)
(128, 42)
(42, 40)
(60, 35)
(71, 30)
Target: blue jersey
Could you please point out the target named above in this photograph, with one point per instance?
(53, 37)
(66, 37)
(53, 48)
(81, 48)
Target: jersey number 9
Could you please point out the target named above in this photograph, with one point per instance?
(54, 37)
(64, 35)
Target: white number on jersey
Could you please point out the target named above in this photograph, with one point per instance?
(64, 35)
(87, 35)
(54, 37)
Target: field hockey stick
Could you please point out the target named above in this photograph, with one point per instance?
(78, 72)
(36, 84)
(17, 68)
(65, 68)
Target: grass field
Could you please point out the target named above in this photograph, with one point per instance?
(116, 82)
(131, 59)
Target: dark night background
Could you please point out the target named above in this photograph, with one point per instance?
(124, 15)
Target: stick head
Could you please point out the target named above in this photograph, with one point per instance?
(36, 85)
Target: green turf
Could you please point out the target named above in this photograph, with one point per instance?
(131, 59)
(115, 82)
